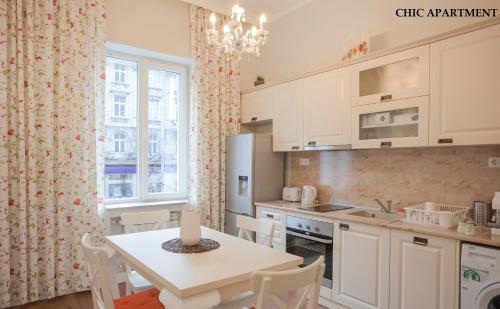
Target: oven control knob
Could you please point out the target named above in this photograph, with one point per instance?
(299, 225)
(316, 229)
(308, 227)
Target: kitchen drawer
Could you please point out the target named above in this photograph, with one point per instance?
(275, 216)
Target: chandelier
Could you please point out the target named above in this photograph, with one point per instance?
(233, 41)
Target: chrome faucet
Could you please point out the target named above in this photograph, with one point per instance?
(387, 208)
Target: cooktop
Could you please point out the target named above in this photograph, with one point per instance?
(324, 208)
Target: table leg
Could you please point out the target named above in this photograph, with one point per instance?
(198, 301)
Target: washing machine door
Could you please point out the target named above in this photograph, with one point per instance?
(489, 298)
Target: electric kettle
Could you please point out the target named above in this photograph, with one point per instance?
(309, 194)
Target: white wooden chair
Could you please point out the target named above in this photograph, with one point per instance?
(301, 285)
(104, 289)
(281, 289)
(247, 225)
(100, 283)
(142, 222)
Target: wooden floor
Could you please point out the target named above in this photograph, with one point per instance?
(82, 300)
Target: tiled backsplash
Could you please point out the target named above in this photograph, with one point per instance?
(453, 175)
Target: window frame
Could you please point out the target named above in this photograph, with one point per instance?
(144, 64)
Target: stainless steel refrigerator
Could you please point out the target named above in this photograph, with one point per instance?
(254, 173)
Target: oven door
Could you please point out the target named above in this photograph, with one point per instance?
(310, 248)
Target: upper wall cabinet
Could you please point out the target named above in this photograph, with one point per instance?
(327, 105)
(257, 106)
(465, 89)
(401, 123)
(392, 77)
(287, 116)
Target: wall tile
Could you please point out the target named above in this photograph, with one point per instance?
(454, 175)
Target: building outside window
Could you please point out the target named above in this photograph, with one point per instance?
(162, 175)
(119, 105)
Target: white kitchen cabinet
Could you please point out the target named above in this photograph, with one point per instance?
(327, 105)
(393, 77)
(287, 116)
(402, 123)
(278, 218)
(465, 89)
(257, 106)
(423, 271)
(361, 265)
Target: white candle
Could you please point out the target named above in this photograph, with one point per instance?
(213, 19)
(262, 20)
(254, 31)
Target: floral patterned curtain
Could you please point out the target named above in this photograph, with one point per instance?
(51, 56)
(215, 113)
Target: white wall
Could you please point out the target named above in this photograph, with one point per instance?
(157, 25)
(315, 36)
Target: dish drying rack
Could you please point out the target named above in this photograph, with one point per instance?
(435, 214)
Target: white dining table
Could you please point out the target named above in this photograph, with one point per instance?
(198, 280)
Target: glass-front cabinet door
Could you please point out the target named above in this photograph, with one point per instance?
(393, 77)
(402, 123)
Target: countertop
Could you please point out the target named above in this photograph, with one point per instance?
(485, 238)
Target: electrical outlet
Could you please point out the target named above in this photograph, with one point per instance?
(303, 162)
(494, 162)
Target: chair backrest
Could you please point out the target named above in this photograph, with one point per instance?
(247, 225)
(145, 221)
(100, 285)
(299, 283)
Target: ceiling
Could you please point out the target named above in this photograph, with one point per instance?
(274, 9)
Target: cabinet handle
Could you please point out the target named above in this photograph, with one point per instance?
(386, 97)
(385, 144)
(295, 147)
(344, 226)
(420, 241)
(445, 141)
(312, 143)
(254, 118)
(269, 216)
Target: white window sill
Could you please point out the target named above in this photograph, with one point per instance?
(117, 209)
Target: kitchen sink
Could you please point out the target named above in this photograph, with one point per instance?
(377, 215)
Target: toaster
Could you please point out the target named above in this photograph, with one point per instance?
(292, 194)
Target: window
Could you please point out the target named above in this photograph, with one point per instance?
(120, 141)
(153, 143)
(146, 153)
(120, 70)
(119, 105)
(154, 109)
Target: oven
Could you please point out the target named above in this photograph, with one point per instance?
(311, 239)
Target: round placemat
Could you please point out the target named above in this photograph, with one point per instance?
(176, 246)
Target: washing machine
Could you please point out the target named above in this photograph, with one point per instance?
(480, 277)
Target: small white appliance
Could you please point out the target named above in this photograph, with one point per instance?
(292, 194)
(309, 194)
(479, 277)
